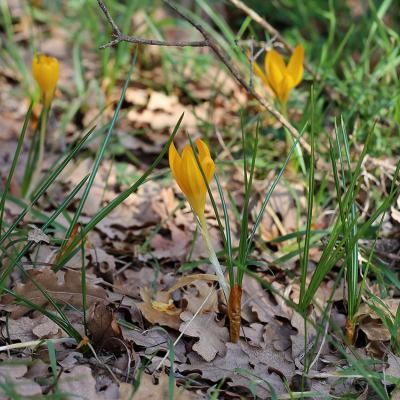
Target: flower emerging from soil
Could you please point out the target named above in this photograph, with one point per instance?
(46, 70)
(188, 175)
(280, 77)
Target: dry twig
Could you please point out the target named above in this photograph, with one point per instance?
(218, 51)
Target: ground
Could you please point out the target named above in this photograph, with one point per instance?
(108, 288)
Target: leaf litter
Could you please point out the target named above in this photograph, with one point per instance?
(138, 304)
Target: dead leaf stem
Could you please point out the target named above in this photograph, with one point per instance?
(234, 312)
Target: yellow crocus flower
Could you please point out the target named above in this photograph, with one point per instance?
(188, 175)
(280, 77)
(46, 71)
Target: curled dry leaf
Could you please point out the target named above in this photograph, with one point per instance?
(169, 317)
(161, 309)
(370, 322)
(104, 328)
(63, 286)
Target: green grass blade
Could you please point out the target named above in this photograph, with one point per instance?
(45, 185)
(227, 232)
(101, 152)
(119, 199)
(245, 214)
(310, 205)
(5, 273)
(267, 197)
(14, 164)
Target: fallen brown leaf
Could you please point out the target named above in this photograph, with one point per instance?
(64, 287)
(104, 328)
(149, 391)
(212, 336)
(168, 318)
(78, 382)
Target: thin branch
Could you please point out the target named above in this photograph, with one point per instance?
(120, 37)
(210, 42)
(153, 42)
(116, 31)
(271, 30)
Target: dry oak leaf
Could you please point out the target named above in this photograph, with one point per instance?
(394, 365)
(174, 248)
(78, 383)
(12, 375)
(243, 357)
(196, 297)
(370, 322)
(63, 286)
(104, 328)
(161, 310)
(212, 336)
(19, 329)
(264, 304)
(169, 317)
(149, 391)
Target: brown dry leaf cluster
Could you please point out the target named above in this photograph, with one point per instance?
(139, 298)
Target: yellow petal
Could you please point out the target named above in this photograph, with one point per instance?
(286, 85)
(258, 71)
(197, 195)
(175, 163)
(275, 68)
(187, 173)
(172, 156)
(46, 71)
(203, 150)
(163, 307)
(206, 162)
(208, 167)
(295, 67)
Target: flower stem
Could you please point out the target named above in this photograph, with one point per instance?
(290, 142)
(213, 257)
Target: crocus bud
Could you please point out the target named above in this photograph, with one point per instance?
(46, 72)
(188, 175)
(280, 77)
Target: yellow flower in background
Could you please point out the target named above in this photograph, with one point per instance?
(280, 77)
(188, 175)
(46, 71)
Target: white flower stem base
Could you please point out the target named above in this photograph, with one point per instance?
(213, 257)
